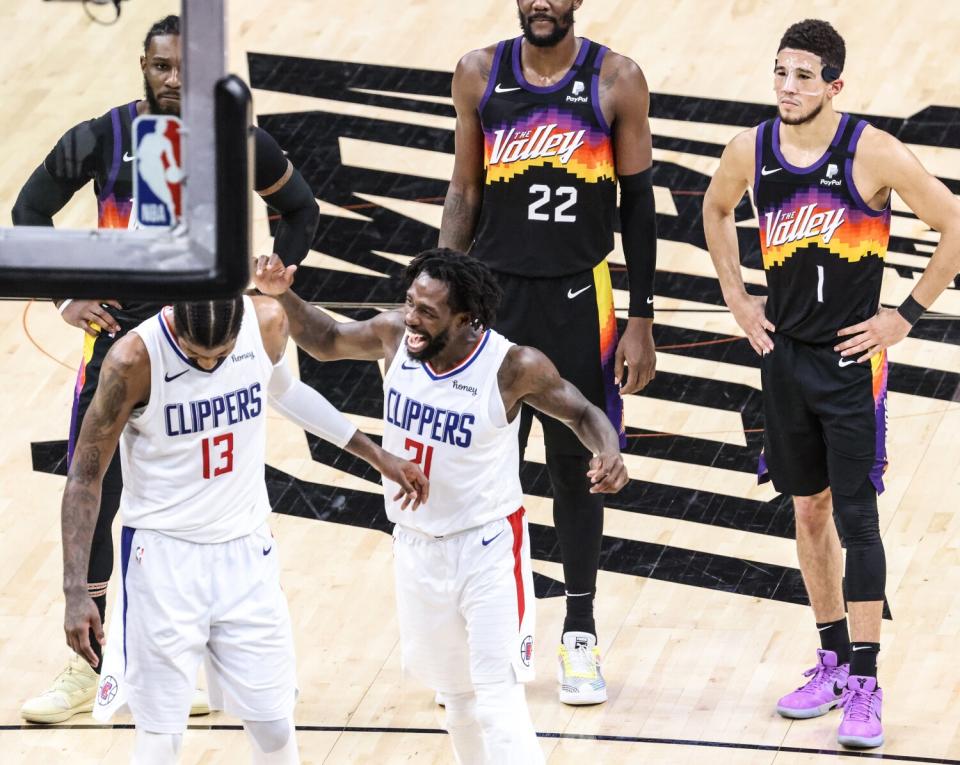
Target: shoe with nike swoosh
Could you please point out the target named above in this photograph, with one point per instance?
(821, 693)
(862, 702)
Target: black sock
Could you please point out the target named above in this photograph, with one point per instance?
(834, 637)
(863, 659)
(580, 614)
(101, 601)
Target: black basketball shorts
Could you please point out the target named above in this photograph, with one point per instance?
(825, 419)
(571, 320)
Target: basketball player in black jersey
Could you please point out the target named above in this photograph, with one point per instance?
(822, 182)
(547, 123)
(101, 150)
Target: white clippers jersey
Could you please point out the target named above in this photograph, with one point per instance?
(193, 457)
(454, 426)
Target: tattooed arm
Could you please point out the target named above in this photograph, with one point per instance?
(124, 383)
(526, 375)
(461, 208)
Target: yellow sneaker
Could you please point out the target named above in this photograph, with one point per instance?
(578, 670)
(71, 693)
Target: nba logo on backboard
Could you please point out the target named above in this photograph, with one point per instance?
(157, 170)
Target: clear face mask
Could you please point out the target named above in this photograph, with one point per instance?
(802, 74)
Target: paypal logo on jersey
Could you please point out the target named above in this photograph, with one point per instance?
(228, 409)
(443, 425)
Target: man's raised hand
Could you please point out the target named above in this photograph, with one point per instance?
(271, 277)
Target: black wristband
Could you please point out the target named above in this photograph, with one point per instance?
(911, 310)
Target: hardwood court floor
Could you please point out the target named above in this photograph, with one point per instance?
(699, 612)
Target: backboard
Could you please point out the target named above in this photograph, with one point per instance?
(207, 252)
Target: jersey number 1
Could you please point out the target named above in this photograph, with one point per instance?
(224, 457)
(422, 455)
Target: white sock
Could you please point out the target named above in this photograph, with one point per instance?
(156, 748)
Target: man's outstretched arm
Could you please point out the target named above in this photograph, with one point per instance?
(318, 334)
(529, 376)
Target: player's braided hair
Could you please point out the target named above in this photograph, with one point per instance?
(168, 25)
(819, 37)
(472, 287)
(209, 323)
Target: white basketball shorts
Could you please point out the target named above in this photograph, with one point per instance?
(180, 603)
(465, 604)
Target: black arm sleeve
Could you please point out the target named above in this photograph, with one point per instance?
(294, 200)
(41, 197)
(638, 225)
(66, 169)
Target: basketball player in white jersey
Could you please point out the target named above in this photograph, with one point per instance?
(452, 395)
(185, 394)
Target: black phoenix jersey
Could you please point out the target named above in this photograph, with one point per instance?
(550, 193)
(823, 246)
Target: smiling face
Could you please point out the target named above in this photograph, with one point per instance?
(430, 321)
(161, 74)
(546, 22)
(801, 90)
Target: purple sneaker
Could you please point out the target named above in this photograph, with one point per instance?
(861, 726)
(822, 692)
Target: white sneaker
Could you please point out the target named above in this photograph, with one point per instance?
(72, 692)
(578, 670)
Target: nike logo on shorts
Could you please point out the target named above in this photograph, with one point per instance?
(266, 550)
(127, 157)
(846, 362)
(488, 541)
(171, 378)
(764, 171)
(501, 89)
(571, 294)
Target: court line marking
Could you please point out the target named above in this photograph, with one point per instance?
(547, 735)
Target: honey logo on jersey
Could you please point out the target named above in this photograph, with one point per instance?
(544, 141)
(464, 388)
(783, 228)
